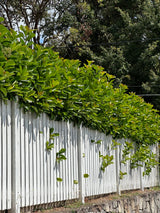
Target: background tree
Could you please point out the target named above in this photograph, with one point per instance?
(35, 14)
(124, 39)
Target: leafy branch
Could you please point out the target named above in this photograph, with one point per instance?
(96, 142)
(126, 152)
(49, 144)
(60, 155)
(106, 161)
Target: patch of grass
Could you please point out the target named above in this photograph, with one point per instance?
(155, 188)
(134, 193)
(115, 197)
(130, 194)
(74, 205)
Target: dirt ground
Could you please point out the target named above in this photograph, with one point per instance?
(72, 207)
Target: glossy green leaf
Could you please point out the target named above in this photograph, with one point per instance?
(59, 179)
(49, 146)
(86, 175)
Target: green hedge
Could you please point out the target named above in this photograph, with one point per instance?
(44, 82)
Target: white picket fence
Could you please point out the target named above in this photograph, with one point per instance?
(29, 172)
(5, 156)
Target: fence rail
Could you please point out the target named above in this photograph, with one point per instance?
(31, 175)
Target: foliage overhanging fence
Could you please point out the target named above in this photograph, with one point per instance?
(32, 175)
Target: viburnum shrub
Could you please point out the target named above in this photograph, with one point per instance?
(44, 82)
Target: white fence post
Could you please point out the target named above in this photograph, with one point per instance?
(141, 179)
(80, 165)
(117, 162)
(15, 132)
(158, 169)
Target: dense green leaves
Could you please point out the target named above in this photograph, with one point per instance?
(44, 82)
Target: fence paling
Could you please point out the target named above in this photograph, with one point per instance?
(80, 165)
(5, 155)
(4, 166)
(117, 170)
(8, 153)
(15, 159)
(33, 171)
